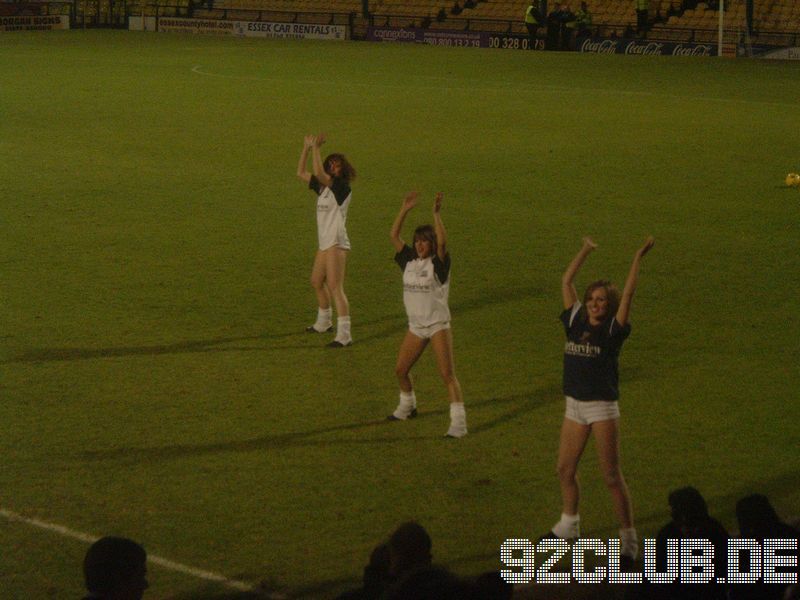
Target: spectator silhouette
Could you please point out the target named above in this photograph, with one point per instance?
(409, 549)
(429, 583)
(376, 576)
(115, 568)
(410, 562)
(642, 15)
(492, 586)
(758, 521)
(583, 20)
(567, 27)
(558, 35)
(690, 519)
(553, 29)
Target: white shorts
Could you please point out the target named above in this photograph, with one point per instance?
(341, 246)
(426, 332)
(592, 411)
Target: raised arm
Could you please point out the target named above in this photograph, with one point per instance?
(438, 226)
(630, 283)
(568, 291)
(319, 168)
(302, 171)
(409, 202)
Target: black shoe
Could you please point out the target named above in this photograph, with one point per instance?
(335, 344)
(312, 329)
(547, 536)
(411, 415)
(627, 564)
(552, 536)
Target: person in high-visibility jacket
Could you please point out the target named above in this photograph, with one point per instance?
(642, 10)
(583, 20)
(532, 22)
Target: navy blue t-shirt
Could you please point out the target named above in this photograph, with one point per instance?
(591, 355)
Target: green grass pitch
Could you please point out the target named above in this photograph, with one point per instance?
(155, 252)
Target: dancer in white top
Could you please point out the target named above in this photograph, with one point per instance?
(330, 180)
(426, 283)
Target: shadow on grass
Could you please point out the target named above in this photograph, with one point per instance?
(394, 323)
(212, 345)
(520, 404)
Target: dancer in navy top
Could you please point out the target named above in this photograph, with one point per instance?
(595, 332)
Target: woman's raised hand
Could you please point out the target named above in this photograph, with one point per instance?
(648, 243)
(410, 201)
(437, 202)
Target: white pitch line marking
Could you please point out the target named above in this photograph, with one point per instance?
(240, 586)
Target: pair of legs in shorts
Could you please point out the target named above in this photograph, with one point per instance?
(414, 343)
(327, 279)
(581, 420)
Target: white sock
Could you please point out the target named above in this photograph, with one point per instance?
(408, 402)
(568, 527)
(323, 319)
(629, 542)
(458, 420)
(343, 330)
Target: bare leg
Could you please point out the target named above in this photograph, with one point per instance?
(335, 263)
(318, 280)
(606, 434)
(442, 343)
(410, 350)
(573, 442)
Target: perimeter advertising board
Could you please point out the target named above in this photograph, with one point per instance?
(643, 47)
(778, 53)
(31, 23)
(303, 31)
(472, 39)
